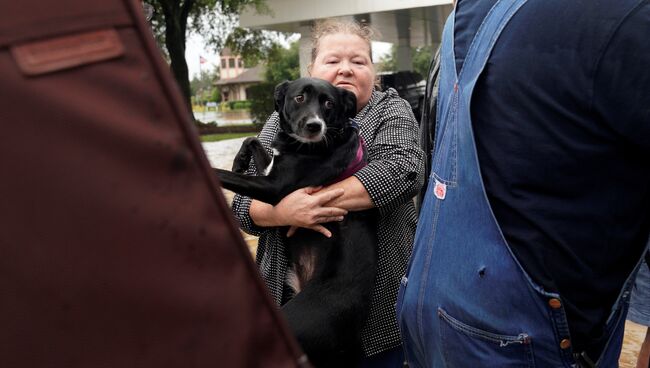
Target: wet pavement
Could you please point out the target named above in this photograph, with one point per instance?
(221, 154)
(223, 118)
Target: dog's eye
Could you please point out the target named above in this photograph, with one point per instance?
(299, 99)
(329, 104)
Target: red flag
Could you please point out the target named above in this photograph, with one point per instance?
(202, 60)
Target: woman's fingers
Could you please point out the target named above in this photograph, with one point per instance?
(312, 190)
(303, 209)
(321, 229)
(328, 195)
(318, 228)
(324, 220)
(331, 212)
(292, 230)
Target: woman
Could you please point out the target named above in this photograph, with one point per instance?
(341, 54)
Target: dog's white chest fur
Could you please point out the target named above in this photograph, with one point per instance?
(267, 170)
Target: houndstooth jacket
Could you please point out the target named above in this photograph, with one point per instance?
(394, 174)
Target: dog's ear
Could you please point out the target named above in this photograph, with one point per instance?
(349, 102)
(279, 94)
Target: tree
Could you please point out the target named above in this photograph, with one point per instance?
(421, 57)
(216, 95)
(282, 64)
(388, 63)
(203, 88)
(204, 81)
(214, 19)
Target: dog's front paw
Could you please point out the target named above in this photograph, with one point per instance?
(240, 163)
(242, 159)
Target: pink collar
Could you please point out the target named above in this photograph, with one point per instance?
(355, 165)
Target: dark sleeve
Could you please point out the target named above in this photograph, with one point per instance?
(241, 204)
(622, 80)
(396, 169)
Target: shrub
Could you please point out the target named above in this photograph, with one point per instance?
(262, 96)
(241, 105)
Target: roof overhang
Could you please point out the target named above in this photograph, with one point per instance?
(296, 16)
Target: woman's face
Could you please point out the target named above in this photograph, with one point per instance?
(343, 59)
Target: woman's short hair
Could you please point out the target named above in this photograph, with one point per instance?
(333, 26)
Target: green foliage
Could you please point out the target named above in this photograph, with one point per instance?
(252, 44)
(235, 105)
(216, 95)
(282, 64)
(421, 57)
(388, 63)
(261, 96)
(224, 136)
(213, 19)
(239, 105)
(204, 82)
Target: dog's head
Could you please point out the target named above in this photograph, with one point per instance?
(309, 107)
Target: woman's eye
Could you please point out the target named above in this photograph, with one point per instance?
(299, 99)
(329, 104)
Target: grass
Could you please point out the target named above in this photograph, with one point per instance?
(224, 136)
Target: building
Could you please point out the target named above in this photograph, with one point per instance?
(404, 23)
(235, 78)
(230, 65)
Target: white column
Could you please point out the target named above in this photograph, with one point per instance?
(304, 53)
(403, 22)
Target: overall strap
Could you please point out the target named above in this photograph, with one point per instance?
(463, 81)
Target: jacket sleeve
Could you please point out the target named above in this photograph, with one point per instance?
(241, 204)
(395, 171)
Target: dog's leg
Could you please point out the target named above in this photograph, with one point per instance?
(261, 188)
(251, 148)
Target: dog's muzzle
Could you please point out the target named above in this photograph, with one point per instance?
(314, 127)
(312, 130)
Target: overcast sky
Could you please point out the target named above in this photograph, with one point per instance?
(195, 48)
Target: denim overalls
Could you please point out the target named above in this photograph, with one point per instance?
(466, 301)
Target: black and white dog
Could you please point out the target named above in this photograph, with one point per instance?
(317, 144)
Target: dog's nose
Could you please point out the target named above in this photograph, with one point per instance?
(313, 127)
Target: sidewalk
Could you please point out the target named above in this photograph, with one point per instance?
(221, 154)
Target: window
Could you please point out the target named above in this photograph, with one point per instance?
(223, 63)
(231, 63)
(241, 63)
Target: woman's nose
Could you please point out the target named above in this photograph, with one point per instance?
(344, 68)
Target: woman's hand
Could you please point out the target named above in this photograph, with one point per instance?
(355, 198)
(301, 208)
